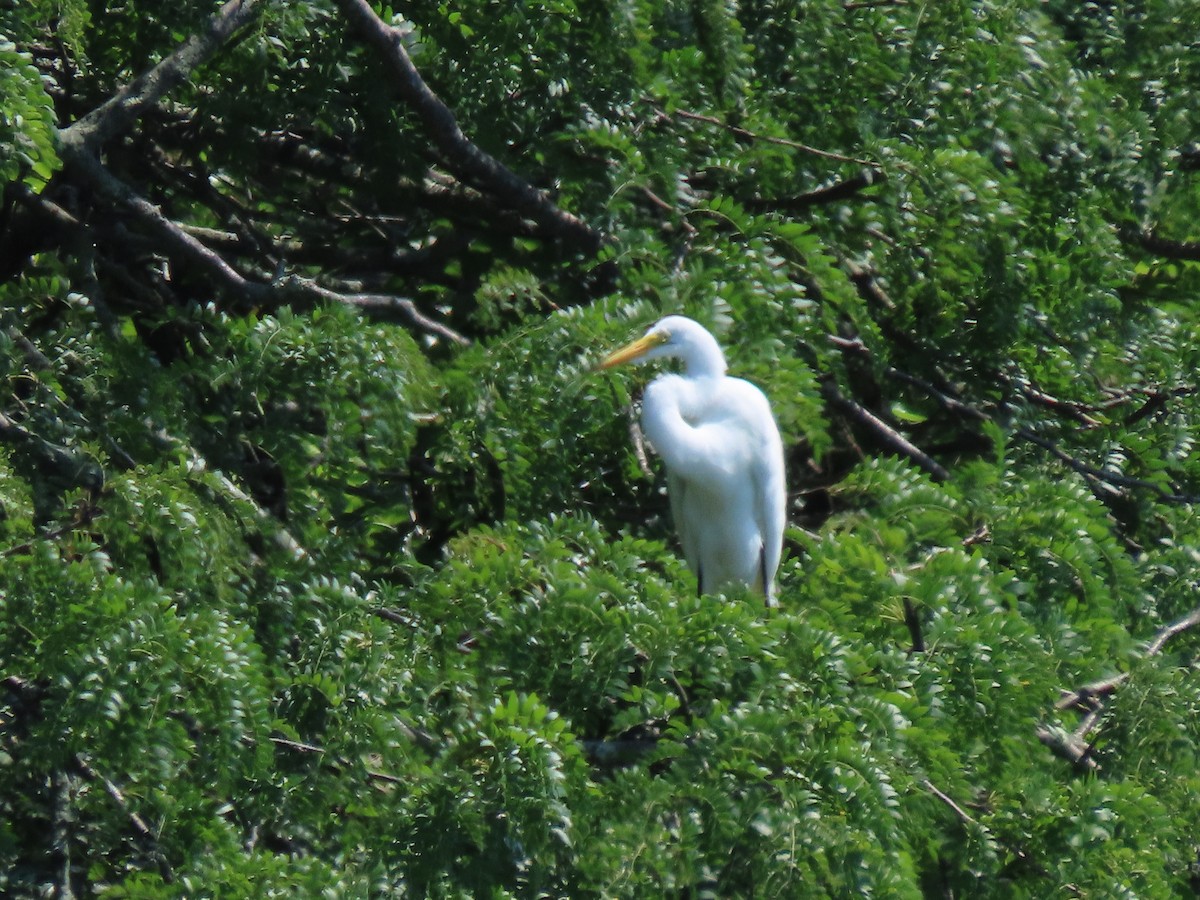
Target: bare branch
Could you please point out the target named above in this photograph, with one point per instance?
(138, 823)
(1150, 240)
(1191, 620)
(852, 5)
(1087, 699)
(375, 303)
(181, 243)
(466, 159)
(841, 189)
(74, 467)
(638, 440)
(912, 620)
(958, 810)
(1068, 746)
(120, 111)
(198, 465)
(172, 236)
(1103, 479)
(769, 139)
(887, 435)
(966, 818)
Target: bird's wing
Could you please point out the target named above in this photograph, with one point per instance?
(769, 485)
(677, 492)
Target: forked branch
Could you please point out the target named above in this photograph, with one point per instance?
(468, 161)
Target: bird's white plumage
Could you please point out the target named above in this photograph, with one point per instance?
(723, 454)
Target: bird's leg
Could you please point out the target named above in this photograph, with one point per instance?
(762, 573)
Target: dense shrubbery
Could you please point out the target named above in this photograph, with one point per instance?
(329, 565)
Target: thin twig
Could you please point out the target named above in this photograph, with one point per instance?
(117, 114)
(966, 818)
(1191, 620)
(958, 810)
(1104, 478)
(913, 620)
(1149, 239)
(467, 160)
(375, 303)
(639, 442)
(181, 243)
(842, 189)
(887, 435)
(770, 139)
(852, 5)
(139, 824)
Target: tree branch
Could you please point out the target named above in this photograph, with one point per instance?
(966, 818)
(1087, 699)
(374, 303)
(61, 841)
(1191, 620)
(465, 159)
(1103, 478)
(841, 189)
(912, 619)
(887, 435)
(1149, 239)
(73, 467)
(769, 139)
(1068, 746)
(182, 244)
(120, 111)
(138, 823)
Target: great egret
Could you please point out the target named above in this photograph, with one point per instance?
(723, 454)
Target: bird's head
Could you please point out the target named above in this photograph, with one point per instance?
(678, 337)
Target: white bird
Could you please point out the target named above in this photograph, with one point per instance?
(724, 458)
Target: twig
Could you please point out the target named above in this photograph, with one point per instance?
(466, 159)
(966, 818)
(1087, 699)
(1068, 747)
(887, 435)
(138, 823)
(1191, 620)
(842, 189)
(1099, 479)
(639, 442)
(62, 835)
(1067, 408)
(375, 303)
(1151, 240)
(119, 112)
(1108, 480)
(867, 282)
(75, 468)
(769, 139)
(852, 5)
(958, 810)
(913, 621)
(181, 243)
(298, 746)
(198, 465)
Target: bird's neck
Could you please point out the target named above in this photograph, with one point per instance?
(704, 359)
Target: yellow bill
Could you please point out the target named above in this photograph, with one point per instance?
(635, 349)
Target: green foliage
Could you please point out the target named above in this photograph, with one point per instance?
(305, 598)
(27, 137)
